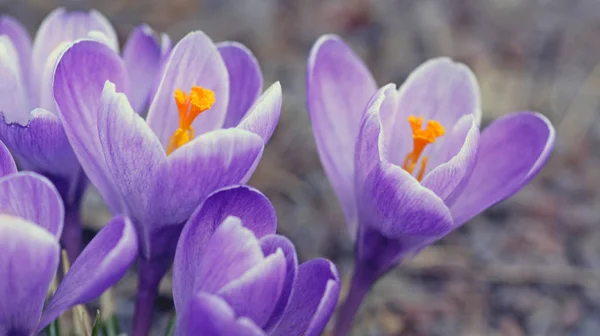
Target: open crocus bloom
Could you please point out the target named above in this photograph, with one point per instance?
(205, 129)
(410, 165)
(29, 124)
(234, 276)
(31, 221)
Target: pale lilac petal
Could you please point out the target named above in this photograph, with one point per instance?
(313, 300)
(440, 90)
(59, 27)
(143, 58)
(78, 84)
(256, 293)
(246, 203)
(450, 178)
(28, 262)
(398, 216)
(262, 118)
(101, 264)
(245, 80)
(41, 145)
(209, 315)
(14, 101)
(7, 163)
(46, 98)
(34, 198)
(211, 161)
(20, 40)
(512, 150)
(131, 151)
(271, 244)
(195, 61)
(339, 86)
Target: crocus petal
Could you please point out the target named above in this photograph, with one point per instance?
(46, 98)
(449, 179)
(248, 204)
(256, 293)
(7, 163)
(245, 80)
(41, 145)
(339, 86)
(131, 151)
(34, 198)
(14, 101)
(101, 264)
(78, 84)
(62, 26)
(195, 61)
(212, 161)
(313, 300)
(271, 244)
(28, 261)
(397, 216)
(210, 315)
(142, 57)
(512, 150)
(20, 40)
(263, 116)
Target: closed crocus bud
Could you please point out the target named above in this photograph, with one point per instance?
(234, 276)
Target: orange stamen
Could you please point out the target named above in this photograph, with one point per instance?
(189, 107)
(421, 138)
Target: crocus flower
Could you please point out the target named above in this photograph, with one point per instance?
(234, 276)
(31, 222)
(205, 130)
(29, 124)
(410, 165)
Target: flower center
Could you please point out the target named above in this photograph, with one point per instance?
(421, 138)
(189, 106)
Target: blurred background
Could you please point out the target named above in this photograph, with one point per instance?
(528, 266)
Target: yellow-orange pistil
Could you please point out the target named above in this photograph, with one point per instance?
(421, 138)
(189, 106)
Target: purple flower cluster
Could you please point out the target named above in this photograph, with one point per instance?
(408, 164)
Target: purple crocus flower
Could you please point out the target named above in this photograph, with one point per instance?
(410, 165)
(234, 276)
(29, 124)
(206, 129)
(31, 222)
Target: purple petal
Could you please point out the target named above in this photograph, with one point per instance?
(59, 27)
(131, 151)
(339, 86)
(195, 61)
(262, 118)
(209, 315)
(212, 161)
(246, 203)
(101, 264)
(512, 150)
(46, 98)
(20, 40)
(28, 261)
(143, 58)
(256, 293)
(450, 178)
(34, 198)
(245, 80)
(313, 300)
(239, 251)
(271, 244)
(41, 145)
(7, 163)
(440, 90)
(14, 101)
(403, 215)
(78, 84)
